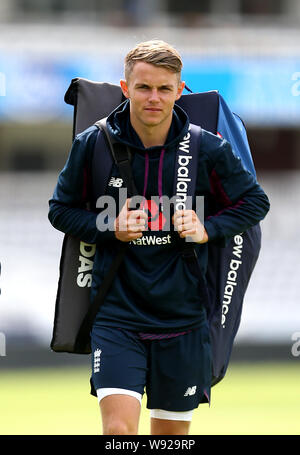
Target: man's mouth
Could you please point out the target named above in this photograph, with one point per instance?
(153, 109)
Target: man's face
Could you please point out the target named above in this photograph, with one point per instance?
(152, 92)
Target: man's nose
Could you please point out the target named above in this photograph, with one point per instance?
(154, 95)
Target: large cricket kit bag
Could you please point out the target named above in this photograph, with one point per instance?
(229, 266)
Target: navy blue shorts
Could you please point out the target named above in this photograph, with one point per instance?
(175, 372)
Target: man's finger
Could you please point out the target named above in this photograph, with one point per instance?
(134, 235)
(137, 215)
(188, 232)
(133, 226)
(187, 226)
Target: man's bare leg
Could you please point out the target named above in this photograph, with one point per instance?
(169, 427)
(120, 414)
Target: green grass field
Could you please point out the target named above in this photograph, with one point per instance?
(253, 399)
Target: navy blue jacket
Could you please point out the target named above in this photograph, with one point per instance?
(154, 290)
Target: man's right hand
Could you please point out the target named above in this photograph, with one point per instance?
(130, 224)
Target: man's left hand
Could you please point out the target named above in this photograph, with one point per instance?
(187, 224)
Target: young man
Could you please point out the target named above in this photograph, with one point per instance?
(152, 332)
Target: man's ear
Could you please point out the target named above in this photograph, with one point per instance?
(124, 88)
(180, 89)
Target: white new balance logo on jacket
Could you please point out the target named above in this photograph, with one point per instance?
(117, 182)
(190, 391)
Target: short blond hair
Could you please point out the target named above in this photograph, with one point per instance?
(156, 52)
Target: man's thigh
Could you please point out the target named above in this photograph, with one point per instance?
(175, 371)
(120, 414)
(119, 369)
(179, 372)
(119, 361)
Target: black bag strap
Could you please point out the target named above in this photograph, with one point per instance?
(121, 157)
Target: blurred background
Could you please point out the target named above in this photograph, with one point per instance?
(248, 50)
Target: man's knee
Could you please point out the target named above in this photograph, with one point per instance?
(120, 414)
(119, 427)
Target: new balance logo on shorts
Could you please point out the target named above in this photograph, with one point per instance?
(190, 391)
(97, 360)
(116, 182)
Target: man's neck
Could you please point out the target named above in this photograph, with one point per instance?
(151, 136)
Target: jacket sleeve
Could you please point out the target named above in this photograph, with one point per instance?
(67, 207)
(241, 201)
